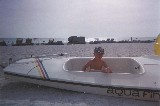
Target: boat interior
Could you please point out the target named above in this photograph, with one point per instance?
(117, 65)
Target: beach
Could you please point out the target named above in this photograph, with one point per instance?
(13, 93)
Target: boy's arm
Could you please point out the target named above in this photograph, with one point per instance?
(107, 69)
(105, 65)
(87, 65)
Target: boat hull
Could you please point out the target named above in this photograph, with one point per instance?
(134, 93)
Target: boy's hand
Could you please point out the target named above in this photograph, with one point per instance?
(87, 69)
(108, 70)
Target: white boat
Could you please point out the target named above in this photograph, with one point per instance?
(132, 77)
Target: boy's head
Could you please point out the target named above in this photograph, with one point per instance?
(98, 52)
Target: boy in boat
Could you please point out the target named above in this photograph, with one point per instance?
(97, 64)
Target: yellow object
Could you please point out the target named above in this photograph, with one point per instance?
(157, 46)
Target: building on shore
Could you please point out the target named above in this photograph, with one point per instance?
(28, 41)
(76, 40)
(52, 42)
(19, 42)
(103, 41)
(3, 43)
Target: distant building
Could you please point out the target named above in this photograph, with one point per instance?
(19, 42)
(3, 43)
(28, 41)
(59, 43)
(97, 41)
(76, 40)
(112, 39)
(131, 39)
(108, 40)
(52, 42)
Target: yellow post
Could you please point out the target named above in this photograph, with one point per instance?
(157, 46)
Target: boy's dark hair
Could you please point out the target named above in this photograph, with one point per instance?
(99, 50)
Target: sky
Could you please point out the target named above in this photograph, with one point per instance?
(88, 18)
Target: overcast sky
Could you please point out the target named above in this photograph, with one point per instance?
(89, 18)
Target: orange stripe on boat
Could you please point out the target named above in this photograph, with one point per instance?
(39, 70)
(42, 71)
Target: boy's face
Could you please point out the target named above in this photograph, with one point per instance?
(98, 55)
